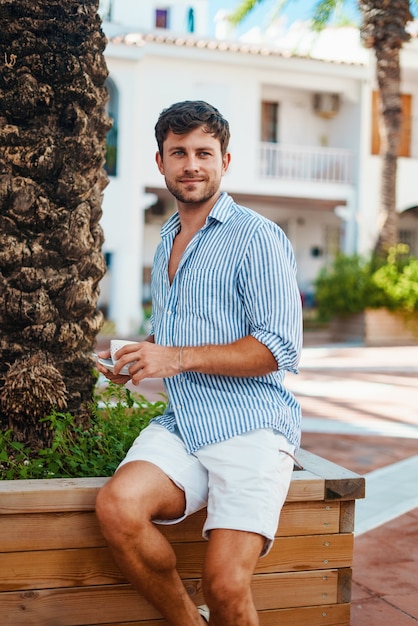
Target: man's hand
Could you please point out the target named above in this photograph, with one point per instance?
(119, 379)
(148, 361)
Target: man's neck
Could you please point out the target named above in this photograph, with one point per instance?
(193, 216)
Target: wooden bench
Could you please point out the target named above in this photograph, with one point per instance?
(55, 568)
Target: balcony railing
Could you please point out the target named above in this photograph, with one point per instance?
(300, 163)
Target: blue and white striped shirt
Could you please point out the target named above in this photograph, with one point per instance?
(237, 277)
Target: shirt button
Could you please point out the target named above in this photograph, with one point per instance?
(179, 406)
(169, 312)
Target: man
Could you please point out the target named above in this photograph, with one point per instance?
(226, 325)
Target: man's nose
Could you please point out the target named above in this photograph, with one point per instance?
(191, 164)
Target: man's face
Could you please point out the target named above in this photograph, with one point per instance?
(192, 165)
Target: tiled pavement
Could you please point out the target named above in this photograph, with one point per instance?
(360, 408)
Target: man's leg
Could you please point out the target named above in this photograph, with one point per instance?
(138, 493)
(229, 565)
(248, 478)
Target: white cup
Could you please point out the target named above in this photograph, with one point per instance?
(115, 345)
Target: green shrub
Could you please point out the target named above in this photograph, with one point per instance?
(118, 417)
(398, 280)
(346, 287)
(353, 283)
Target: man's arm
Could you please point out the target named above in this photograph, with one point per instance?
(245, 357)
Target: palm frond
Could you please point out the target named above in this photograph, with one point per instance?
(323, 11)
(243, 9)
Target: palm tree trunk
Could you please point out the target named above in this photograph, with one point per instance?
(53, 126)
(390, 119)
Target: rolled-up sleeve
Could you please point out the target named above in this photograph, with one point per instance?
(271, 295)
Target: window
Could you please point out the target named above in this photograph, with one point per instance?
(190, 20)
(332, 242)
(269, 122)
(162, 18)
(404, 149)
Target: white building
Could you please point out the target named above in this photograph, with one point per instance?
(303, 136)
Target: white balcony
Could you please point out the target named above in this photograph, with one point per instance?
(307, 164)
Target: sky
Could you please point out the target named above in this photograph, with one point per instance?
(261, 14)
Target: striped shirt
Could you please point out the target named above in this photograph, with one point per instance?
(237, 277)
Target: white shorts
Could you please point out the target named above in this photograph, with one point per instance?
(243, 481)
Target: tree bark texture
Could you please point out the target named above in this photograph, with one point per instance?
(53, 126)
(384, 30)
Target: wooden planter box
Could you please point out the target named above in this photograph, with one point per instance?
(375, 327)
(55, 568)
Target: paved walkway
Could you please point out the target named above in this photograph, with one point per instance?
(360, 408)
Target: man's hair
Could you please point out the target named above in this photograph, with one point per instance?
(183, 117)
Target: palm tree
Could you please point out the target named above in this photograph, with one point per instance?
(383, 29)
(53, 126)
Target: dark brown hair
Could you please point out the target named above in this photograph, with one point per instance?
(183, 117)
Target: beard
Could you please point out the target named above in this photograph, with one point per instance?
(191, 193)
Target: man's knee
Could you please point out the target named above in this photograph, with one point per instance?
(105, 504)
(225, 586)
(116, 511)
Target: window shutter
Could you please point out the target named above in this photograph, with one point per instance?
(404, 149)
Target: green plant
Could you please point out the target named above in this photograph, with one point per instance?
(118, 417)
(353, 283)
(345, 287)
(398, 280)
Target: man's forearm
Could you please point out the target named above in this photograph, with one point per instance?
(245, 357)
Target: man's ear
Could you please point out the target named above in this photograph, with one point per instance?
(226, 160)
(159, 161)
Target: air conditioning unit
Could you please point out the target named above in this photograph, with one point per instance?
(326, 105)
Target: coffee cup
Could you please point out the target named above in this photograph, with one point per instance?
(115, 345)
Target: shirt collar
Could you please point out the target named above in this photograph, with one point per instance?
(223, 208)
(221, 212)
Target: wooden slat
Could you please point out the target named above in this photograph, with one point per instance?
(327, 615)
(305, 486)
(95, 566)
(54, 494)
(51, 569)
(309, 518)
(79, 494)
(290, 554)
(347, 513)
(340, 483)
(297, 518)
(47, 531)
(104, 604)
(345, 575)
(295, 589)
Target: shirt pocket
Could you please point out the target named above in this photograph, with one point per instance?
(204, 291)
(209, 305)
